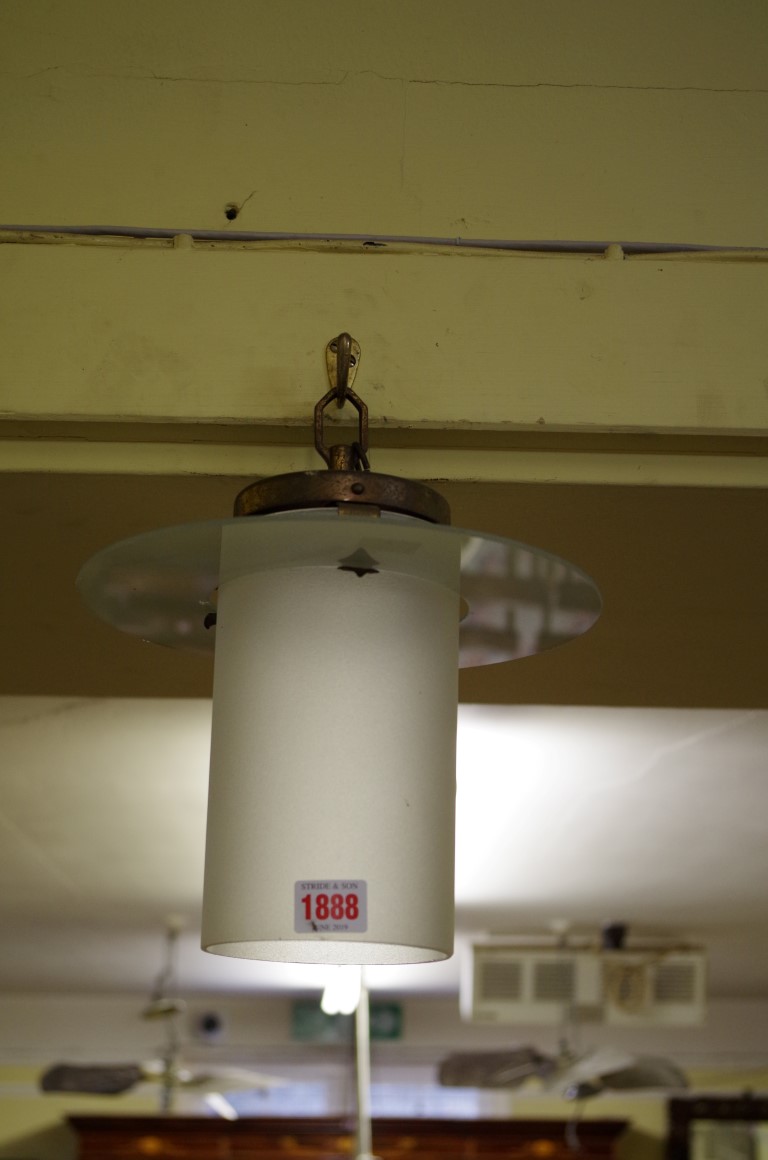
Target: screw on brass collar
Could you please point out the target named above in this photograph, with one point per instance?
(301, 490)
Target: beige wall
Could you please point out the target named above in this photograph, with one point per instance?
(521, 121)
(35, 1128)
(727, 1054)
(516, 121)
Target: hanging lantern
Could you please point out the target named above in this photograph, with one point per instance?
(341, 603)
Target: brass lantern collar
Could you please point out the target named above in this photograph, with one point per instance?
(299, 490)
(348, 484)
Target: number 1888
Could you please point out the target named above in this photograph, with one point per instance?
(333, 906)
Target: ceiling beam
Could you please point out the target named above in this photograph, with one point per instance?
(495, 365)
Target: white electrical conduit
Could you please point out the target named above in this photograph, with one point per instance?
(154, 237)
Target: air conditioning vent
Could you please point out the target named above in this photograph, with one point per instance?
(554, 982)
(626, 985)
(672, 994)
(675, 983)
(500, 979)
(536, 985)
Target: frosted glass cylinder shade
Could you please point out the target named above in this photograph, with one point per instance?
(332, 787)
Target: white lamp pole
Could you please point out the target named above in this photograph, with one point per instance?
(364, 1137)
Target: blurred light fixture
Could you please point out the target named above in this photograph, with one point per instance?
(342, 991)
(340, 602)
(163, 1002)
(220, 1105)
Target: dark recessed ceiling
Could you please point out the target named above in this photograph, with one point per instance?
(682, 573)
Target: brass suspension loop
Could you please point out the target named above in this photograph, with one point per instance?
(348, 484)
(342, 359)
(343, 457)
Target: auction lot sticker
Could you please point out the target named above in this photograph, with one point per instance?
(330, 906)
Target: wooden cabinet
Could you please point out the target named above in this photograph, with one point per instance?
(194, 1138)
(684, 1111)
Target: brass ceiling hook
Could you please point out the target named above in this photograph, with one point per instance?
(342, 358)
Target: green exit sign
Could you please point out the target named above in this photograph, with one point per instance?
(310, 1024)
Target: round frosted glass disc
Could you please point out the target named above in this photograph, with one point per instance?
(516, 600)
